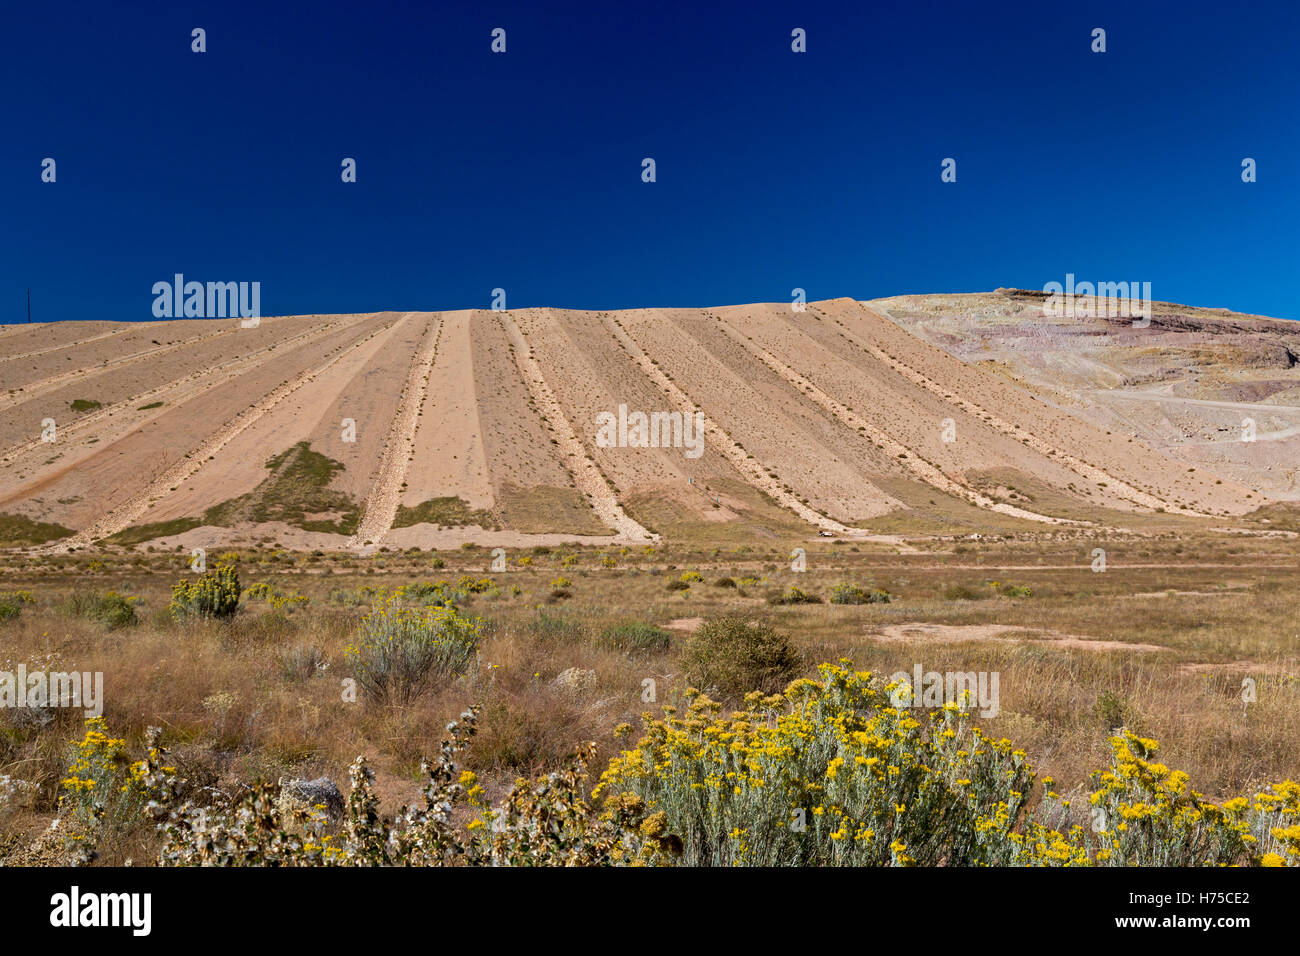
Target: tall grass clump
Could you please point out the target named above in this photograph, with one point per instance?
(733, 655)
(635, 637)
(112, 610)
(400, 651)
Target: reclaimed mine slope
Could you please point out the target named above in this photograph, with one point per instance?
(395, 455)
(117, 483)
(429, 429)
(312, 411)
(125, 397)
(587, 475)
(447, 452)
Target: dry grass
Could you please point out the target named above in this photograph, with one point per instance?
(234, 710)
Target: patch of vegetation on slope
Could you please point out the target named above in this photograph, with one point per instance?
(928, 510)
(1278, 516)
(449, 512)
(548, 509)
(137, 534)
(683, 515)
(296, 492)
(18, 530)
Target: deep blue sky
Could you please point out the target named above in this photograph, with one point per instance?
(523, 170)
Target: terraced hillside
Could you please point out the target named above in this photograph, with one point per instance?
(913, 415)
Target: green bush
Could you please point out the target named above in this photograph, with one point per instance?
(635, 637)
(1011, 590)
(734, 655)
(960, 592)
(215, 594)
(112, 610)
(401, 651)
(852, 594)
(11, 604)
(1114, 712)
(794, 596)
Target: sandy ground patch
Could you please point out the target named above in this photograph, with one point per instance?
(688, 625)
(993, 634)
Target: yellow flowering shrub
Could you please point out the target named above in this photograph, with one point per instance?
(215, 594)
(11, 603)
(273, 596)
(1275, 823)
(830, 773)
(1146, 814)
(100, 791)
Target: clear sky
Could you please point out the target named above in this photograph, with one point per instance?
(523, 170)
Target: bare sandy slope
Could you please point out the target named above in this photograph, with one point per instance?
(1181, 387)
(83, 483)
(157, 375)
(515, 439)
(392, 462)
(310, 412)
(594, 368)
(429, 429)
(449, 456)
(567, 435)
